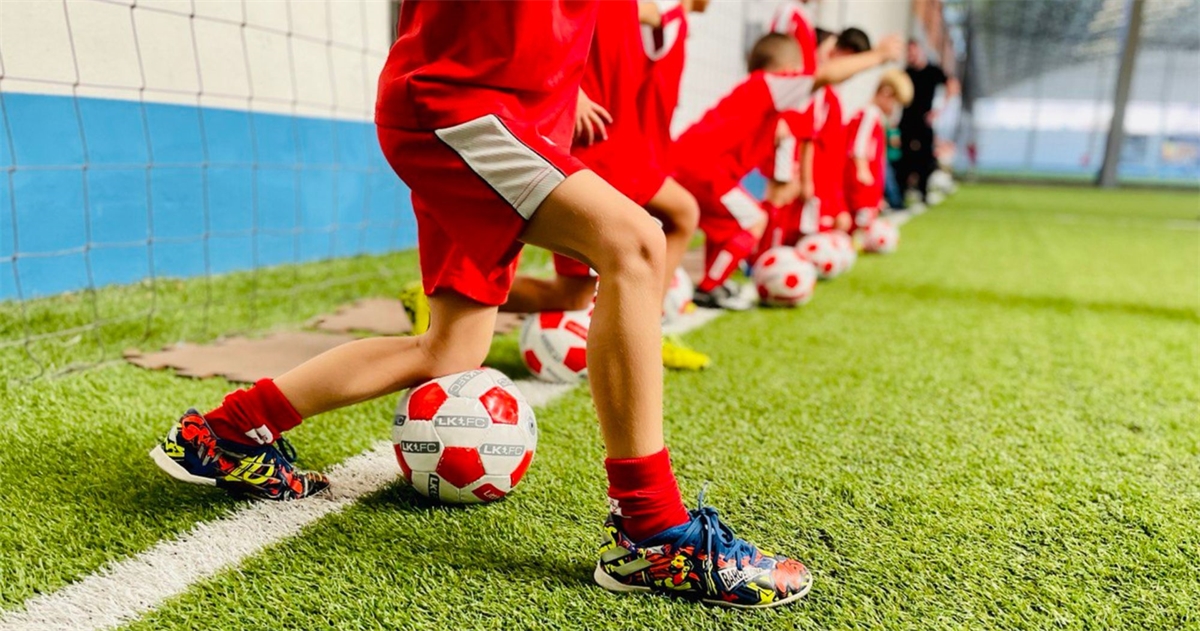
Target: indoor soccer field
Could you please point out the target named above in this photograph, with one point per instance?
(993, 428)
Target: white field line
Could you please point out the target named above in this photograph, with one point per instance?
(123, 591)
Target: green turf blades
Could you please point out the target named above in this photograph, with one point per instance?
(992, 428)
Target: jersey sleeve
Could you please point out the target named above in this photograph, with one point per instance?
(790, 20)
(789, 91)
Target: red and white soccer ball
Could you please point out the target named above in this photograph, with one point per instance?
(820, 250)
(465, 438)
(844, 245)
(554, 345)
(783, 278)
(678, 300)
(882, 237)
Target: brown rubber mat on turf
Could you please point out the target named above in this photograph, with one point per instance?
(240, 359)
(247, 360)
(381, 316)
(384, 316)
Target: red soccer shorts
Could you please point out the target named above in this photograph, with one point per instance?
(860, 198)
(474, 187)
(567, 266)
(625, 163)
(726, 209)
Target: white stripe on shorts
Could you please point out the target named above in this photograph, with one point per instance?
(522, 177)
(810, 216)
(744, 208)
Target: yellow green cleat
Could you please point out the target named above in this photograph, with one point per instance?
(678, 356)
(416, 305)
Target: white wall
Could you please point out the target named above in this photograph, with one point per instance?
(877, 17)
(307, 57)
(716, 59)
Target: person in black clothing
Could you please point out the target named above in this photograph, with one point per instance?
(916, 124)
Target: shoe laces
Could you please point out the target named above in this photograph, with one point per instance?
(717, 540)
(285, 448)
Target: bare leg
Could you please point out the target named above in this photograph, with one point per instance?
(589, 220)
(458, 339)
(561, 293)
(680, 214)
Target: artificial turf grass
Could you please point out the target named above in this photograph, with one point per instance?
(102, 499)
(149, 315)
(944, 451)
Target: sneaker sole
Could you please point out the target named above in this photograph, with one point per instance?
(613, 585)
(175, 470)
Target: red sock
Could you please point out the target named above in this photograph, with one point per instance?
(723, 259)
(256, 416)
(643, 494)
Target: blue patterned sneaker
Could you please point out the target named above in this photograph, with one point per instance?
(192, 453)
(700, 560)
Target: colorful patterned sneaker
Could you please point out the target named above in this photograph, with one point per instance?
(700, 560)
(416, 305)
(191, 452)
(677, 355)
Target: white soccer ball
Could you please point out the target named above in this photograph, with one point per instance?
(678, 300)
(881, 237)
(820, 250)
(783, 278)
(465, 438)
(554, 345)
(941, 182)
(844, 245)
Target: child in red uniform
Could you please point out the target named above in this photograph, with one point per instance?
(830, 155)
(761, 122)
(468, 123)
(864, 171)
(664, 35)
(759, 117)
(619, 149)
(820, 201)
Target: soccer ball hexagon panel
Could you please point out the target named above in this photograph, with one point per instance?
(554, 345)
(783, 278)
(465, 438)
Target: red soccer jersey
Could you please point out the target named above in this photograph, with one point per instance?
(665, 52)
(738, 133)
(615, 71)
(829, 158)
(867, 142)
(614, 78)
(517, 60)
(791, 19)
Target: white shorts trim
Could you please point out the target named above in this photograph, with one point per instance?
(810, 216)
(517, 173)
(744, 208)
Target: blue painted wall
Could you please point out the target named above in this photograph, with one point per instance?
(120, 190)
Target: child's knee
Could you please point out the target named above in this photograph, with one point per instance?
(638, 245)
(687, 214)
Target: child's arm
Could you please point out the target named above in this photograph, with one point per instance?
(650, 14)
(807, 189)
(862, 168)
(838, 70)
(781, 194)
